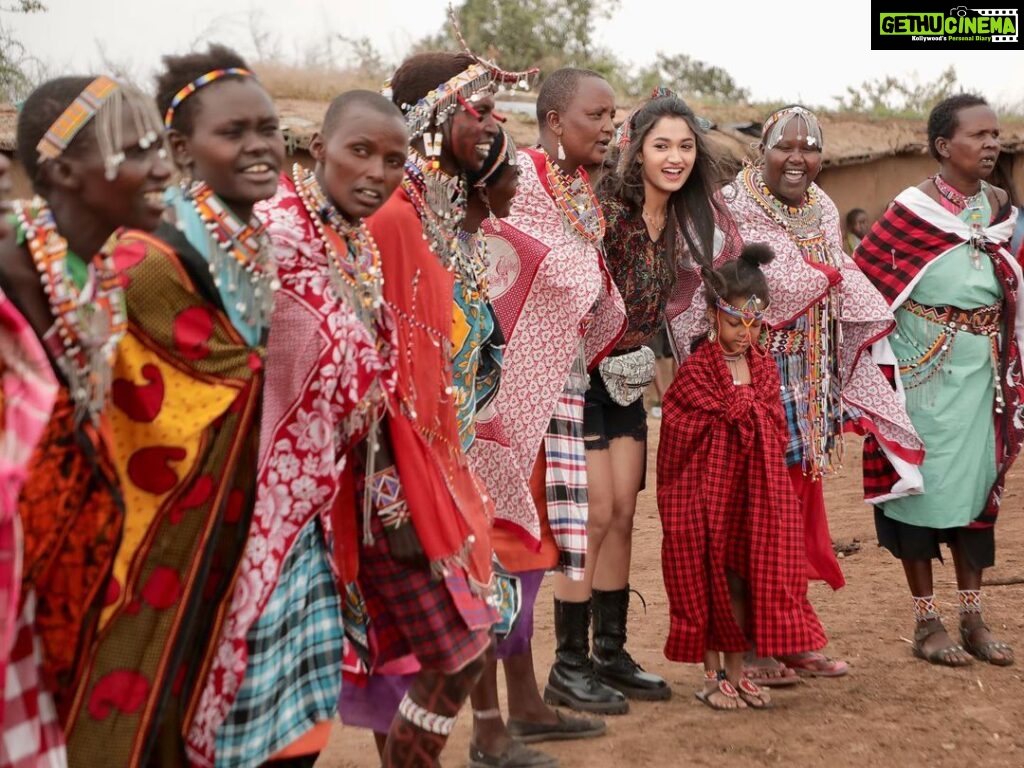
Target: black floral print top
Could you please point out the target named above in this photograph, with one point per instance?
(639, 270)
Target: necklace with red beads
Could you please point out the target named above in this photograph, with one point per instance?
(576, 201)
(355, 274)
(87, 303)
(440, 202)
(239, 253)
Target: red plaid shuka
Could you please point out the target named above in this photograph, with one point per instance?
(911, 235)
(727, 503)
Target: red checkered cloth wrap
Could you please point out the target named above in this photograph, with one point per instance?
(797, 284)
(324, 374)
(450, 509)
(726, 503)
(909, 237)
(685, 313)
(30, 731)
(27, 392)
(442, 623)
(545, 282)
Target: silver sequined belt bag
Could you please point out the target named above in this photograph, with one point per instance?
(626, 376)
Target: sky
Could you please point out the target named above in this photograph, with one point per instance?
(777, 51)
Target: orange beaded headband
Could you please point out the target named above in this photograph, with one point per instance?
(73, 119)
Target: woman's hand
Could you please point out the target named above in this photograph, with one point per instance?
(404, 546)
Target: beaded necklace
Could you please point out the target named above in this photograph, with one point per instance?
(87, 303)
(576, 201)
(955, 196)
(440, 202)
(803, 221)
(239, 251)
(355, 274)
(357, 279)
(471, 262)
(974, 205)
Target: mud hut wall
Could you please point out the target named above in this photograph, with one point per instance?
(874, 184)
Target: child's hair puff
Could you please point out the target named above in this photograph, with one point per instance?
(741, 278)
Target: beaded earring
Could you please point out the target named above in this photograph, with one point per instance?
(495, 221)
(560, 152)
(713, 335)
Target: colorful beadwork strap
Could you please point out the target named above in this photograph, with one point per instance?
(199, 82)
(752, 312)
(85, 106)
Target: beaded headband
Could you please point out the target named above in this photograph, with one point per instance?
(751, 312)
(199, 82)
(437, 106)
(502, 152)
(73, 119)
(775, 126)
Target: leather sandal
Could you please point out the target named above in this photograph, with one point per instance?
(941, 656)
(719, 686)
(514, 756)
(753, 697)
(986, 651)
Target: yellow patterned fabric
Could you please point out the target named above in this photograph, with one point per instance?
(185, 398)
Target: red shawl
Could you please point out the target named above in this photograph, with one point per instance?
(450, 510)
(544, 282)
(726, 500)
(911, 235)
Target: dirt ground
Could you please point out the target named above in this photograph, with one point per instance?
(891, 710)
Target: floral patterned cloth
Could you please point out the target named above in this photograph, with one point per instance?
(323, 388)
(556, 303)
(639, 270)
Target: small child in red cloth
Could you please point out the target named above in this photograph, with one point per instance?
(732, 549)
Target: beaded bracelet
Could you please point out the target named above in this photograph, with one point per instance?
(424, 719)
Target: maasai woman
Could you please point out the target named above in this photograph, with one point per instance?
(330, 343)
(94, 153)
(657, 207)
(823, 316)
(188, 386)
(476, 336)
(425, 557)
(371, 700)
(939, 257)
(561, 313)
(732, 552)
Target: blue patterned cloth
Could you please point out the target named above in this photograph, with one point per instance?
(293, 676)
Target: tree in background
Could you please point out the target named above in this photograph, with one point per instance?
(890, 95)
(15, 60)
(519, 34)
(685, 75)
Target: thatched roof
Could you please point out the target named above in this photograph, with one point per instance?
(8, 127)
(849, 139)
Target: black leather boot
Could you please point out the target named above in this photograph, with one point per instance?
(612, 662)
(572, 682)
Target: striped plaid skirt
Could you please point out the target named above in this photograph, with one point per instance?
(293, 675)
(441, 622)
